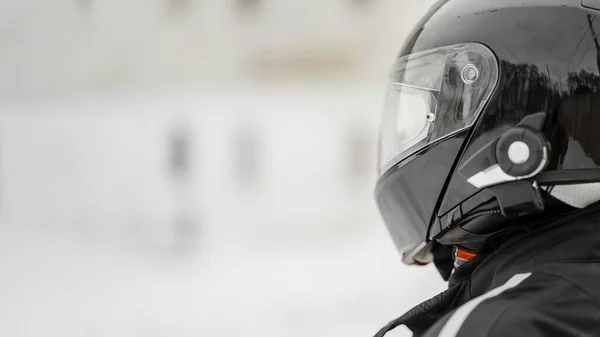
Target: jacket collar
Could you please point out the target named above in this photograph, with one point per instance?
(571, 237)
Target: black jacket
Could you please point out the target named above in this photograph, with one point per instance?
(542, 281)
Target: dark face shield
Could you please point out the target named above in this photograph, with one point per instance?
(433, 97)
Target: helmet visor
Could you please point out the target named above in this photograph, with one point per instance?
(432, 95)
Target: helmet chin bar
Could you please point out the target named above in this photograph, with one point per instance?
(508, 165)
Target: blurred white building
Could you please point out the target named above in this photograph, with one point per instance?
(242, 130)
(59, 46)
(263, 166)
(279, 100)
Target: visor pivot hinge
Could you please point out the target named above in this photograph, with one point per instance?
(469, 74)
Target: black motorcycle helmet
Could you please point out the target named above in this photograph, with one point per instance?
(492, 116)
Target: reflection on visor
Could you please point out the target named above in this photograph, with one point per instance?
(416, 119)
(411, 122)
(432, 95)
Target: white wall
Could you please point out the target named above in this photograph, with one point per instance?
(103, 168)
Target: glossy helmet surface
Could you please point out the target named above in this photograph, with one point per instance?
(547, 55)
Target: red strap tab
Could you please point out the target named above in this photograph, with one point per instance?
(465, 255)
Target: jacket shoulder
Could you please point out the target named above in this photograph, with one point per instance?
(535, 304)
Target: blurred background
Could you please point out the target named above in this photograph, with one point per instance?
(197, 168)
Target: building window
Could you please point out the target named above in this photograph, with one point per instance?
(84, 6)
(359, 163)
(248, 6)
(178, 6)
(180, 153)
(186, 226)
(247, 156)
(360, 3)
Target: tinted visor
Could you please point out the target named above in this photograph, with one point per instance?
(433, 98)
(407, 196)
